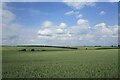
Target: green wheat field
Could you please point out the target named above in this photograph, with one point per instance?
(52, 62)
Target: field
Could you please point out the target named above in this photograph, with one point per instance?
(50, 62)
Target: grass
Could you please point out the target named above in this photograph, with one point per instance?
(59, 63)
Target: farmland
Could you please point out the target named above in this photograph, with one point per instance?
(51, 62)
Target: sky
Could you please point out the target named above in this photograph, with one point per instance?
(60, 23)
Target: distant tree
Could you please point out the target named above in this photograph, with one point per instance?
(98, 46)
(112, 46)
(32, 49)
(23, 50)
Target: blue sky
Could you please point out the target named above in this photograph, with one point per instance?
(63, 22)
(31, 13)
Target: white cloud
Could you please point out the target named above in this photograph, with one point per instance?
(9, 29)
(102, 13)
(8, 26)
(47, 24)
(102, 27)
(107, 34)
(72, 13)
(14, 33)
(7, 16)
(63, 32)
(79, 5)
(115, 29)
(63, 25)
(45, 32)
(75, 13)
(54, 32)
(79, 16)
(80, 34)
(82, 22)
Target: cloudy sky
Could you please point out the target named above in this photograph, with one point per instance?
(60, 23)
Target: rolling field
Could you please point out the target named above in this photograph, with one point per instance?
(59, 63)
